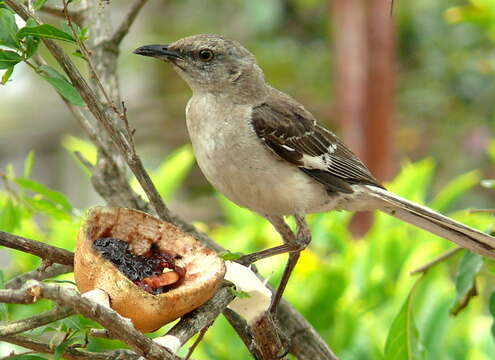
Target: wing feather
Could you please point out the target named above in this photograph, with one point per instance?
(293, 134)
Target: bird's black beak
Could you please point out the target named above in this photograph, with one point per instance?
(158, 51)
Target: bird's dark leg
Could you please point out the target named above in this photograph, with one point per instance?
(293, 244)
(297, 243)
(288, 236)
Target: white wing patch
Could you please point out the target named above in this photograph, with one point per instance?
(321, 162)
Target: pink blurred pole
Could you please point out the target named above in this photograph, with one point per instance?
(364, 72)
(378, 127)
(350, 69)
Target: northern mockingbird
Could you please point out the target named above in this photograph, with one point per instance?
(264, 151)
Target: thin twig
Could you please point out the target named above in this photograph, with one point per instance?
(16, 327)
(70, 353)
(39, 274)
(191, 323)
(200, 337)
(424, 268)
(474, 211)
(127, 22)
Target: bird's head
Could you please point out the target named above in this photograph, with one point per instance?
(210, 63)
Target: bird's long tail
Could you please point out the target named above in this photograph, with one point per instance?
(433, 222)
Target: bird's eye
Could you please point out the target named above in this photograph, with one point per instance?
(206, 55)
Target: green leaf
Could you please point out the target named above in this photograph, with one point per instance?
(38, 4)
(32, 42)
(491, 307)
(86, 148)
(170, 175)
(28, 165)
(27, 357)
(55, 196)
(454, 190)
(488, 183)
(10, 217)
(403, 338)
(45, 31)
(7, 74)
(230, 256)
(465, 285)
(8, 29)
(47, 207)
(8, 59)
(62, 85)
(60, 349)
(61, 282)
(238, 293)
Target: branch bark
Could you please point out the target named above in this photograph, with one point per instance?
(70, 353)
(34, 322)
(121, 327)
(45, 251)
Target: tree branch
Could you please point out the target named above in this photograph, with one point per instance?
(128, 20)
(41, 273)
(70, 353)
(110, 319)
(44, 251)
(45, 318)
(424, 268)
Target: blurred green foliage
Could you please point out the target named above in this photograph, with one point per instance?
(358, 293)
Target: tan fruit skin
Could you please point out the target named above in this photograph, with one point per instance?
(204, 270)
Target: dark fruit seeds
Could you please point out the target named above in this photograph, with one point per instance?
(148, 266)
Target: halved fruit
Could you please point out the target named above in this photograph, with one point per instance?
(164, 272)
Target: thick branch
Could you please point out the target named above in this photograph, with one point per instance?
(111, 320)
(192, 323)
(44, 251)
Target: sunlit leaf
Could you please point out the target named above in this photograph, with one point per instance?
(38, 4)
(171, 173)
(45, 31)
(28, 165)
(7, 74)
(47, 207)
(403, 338)
(55, 196)
(455, 189)
(230, 256)
(491, 307)
(8, 29)
(86, 148)
(488, 183)
(469, 266)
(239, 293)
(8, 59)
(10, 216)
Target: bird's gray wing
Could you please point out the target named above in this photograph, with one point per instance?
(293, 134)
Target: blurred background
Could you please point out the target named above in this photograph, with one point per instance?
(415, 100)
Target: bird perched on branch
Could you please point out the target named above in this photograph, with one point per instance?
(266, 152)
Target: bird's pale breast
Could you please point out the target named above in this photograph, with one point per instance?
(241, 167)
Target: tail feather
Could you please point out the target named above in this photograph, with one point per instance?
(434, 222)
